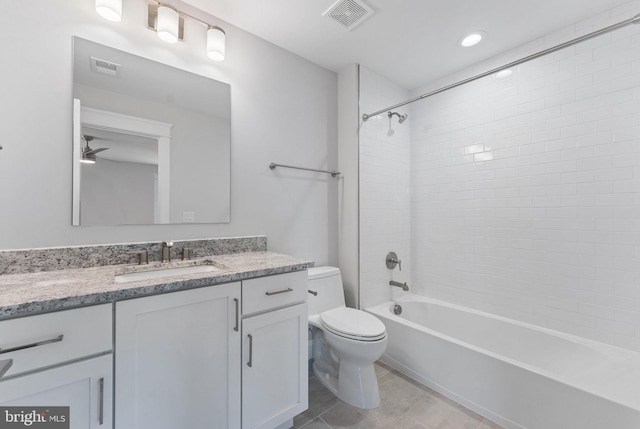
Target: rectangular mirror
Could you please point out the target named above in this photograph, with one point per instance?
(152, 143)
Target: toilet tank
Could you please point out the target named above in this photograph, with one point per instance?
(328, 283)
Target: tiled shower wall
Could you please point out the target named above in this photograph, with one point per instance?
(385, 204)
(526, 190)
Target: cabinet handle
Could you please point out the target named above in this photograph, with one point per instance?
(4, 366)
(279, 291)
(313, 292)
(235, 328)
(250, 363)
(101, 407)
(28, 346)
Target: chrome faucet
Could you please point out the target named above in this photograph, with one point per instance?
(400, 285)
(143, 257)
(166, 251)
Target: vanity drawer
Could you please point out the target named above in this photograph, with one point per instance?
(48, 339)
(267, 293)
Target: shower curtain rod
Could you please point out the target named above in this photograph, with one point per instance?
(634, 20)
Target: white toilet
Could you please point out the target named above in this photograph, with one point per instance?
(346, 341)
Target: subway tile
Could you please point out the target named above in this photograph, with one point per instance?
(561, 167)
(578, 177)
(620, 135)
(578, 153)
(577, 130)
(614, 327)
(598, 163)
(557, 219)
(544, 136)
(621, 173)
(627, 186)
(595, 139)
(594, 188)
(578, 106)
(593, 66)
(578, 201)
(562, 121)
(563, 143)
(615, 148)
(615, 72)
(614, 98)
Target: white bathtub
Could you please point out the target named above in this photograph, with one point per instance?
(516, 374)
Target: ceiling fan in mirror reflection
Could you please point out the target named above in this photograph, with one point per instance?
(88, 154)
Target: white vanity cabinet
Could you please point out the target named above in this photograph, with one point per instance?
(205, 358)
(61, 359)
(274, 350)
(177, 360)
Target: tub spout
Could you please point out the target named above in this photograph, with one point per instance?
(400, 285)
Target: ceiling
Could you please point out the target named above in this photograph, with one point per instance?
(410, 42)
(148, 80)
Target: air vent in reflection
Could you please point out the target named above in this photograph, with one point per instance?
(105, 67)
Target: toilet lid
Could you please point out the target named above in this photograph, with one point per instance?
(352, 323)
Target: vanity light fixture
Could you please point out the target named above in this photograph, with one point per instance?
(168, 22)
(110, 9)
(216, 43)
(471, 39)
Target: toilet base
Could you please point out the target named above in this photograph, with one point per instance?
(355, 385)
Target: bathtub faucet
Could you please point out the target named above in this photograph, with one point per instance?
(400, 285)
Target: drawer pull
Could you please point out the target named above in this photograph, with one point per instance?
(279, 291)
(4, 366)
(101, 410)
(28, 346)
(235, 328)
(313, 292)
(250, 363)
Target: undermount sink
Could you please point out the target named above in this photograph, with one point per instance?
(161, 272)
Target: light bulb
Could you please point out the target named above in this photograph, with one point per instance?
(110, 9)
(472, 39)
(216, 43)
(168, 23)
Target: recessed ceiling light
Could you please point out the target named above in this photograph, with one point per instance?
(471, 39)
(502, 74)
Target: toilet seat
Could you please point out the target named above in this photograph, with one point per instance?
(353, 324)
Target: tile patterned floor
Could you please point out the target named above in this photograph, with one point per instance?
(405, 404)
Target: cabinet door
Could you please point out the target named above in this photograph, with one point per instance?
(85, 387)
(274, 368)
(177, 360)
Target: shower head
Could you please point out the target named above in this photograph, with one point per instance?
(401, 118)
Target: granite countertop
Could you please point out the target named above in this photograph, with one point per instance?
(25, 294)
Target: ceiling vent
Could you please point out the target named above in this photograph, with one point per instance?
(349, 13)
(105, 67)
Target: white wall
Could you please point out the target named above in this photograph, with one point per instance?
(348, 232)
(385, 203)
(526, 191)
(283, 110)
(199, 153)
(120, 193)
